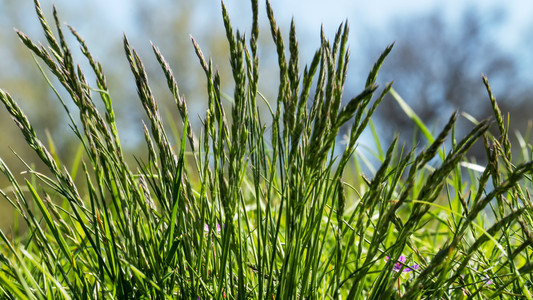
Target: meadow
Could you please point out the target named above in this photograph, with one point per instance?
(248, 207)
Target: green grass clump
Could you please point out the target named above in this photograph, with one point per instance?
(263, 209)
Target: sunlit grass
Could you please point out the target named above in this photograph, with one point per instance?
(247, 208)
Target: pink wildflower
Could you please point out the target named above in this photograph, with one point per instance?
(218, 228)
(399, 266)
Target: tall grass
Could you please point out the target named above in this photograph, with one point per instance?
(263, 209)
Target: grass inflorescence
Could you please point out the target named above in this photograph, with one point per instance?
(264, 208)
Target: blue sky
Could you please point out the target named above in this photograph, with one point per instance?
(309, 15)
(112, 18)
(118, 14)
(103, 22)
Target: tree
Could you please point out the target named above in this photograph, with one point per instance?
(437, 68)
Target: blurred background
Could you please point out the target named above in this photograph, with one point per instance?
(441, 49)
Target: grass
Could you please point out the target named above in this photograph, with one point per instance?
(263, 209)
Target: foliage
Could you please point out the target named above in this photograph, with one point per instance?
(255, 209)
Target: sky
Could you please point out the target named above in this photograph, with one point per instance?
(104, 22)
(110, 19)
(118, 15)
(364, 17)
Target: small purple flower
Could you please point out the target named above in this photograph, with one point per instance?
(487, 280)
(400, 266)
(218, 228)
